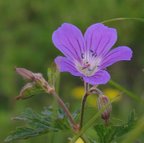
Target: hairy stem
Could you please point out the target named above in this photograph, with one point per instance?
(52, 91)
(37, 78)
(67, 112)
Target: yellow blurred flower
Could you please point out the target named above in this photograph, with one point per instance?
(112, 93)
(80, 140)
(78, 93)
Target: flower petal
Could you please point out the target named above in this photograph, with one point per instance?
(100, 38)
(118, 54)
(69, 40)
(65, 65)
(100, 77)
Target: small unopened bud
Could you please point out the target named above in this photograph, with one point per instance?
(37, 81)
(26, 74)
(26, 91)
(104, 102)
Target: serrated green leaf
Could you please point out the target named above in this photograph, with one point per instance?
(113, 132)
(136, 132)
(38, 124)
(90, 123)
(24, 133)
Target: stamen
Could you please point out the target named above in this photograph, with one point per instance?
(93, 54)
(91, 51)
(89, 63)
(82, 56)
(86, 66)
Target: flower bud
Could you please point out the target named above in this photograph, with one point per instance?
(26, 74)
(24, 91)
(104, 102)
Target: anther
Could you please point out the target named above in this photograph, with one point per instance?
(82, 56)
(91, 51)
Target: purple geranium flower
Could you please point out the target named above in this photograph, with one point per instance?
(88, 56)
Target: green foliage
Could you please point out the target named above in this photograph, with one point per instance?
(111, 133)
(39, 123)
(27, 26)
(25, 37)
(135, 133)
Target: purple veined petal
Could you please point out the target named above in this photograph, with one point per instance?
(69, 40)
(65, 65)
(118, 54)
(100, 38)
(100, 77)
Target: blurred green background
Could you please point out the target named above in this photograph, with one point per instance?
(26, 28)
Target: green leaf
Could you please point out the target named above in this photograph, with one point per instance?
(39, 123)
(134, 134)
(113, 132)
(22, 133)
(91, 122)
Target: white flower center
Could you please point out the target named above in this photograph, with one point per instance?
(89, 63)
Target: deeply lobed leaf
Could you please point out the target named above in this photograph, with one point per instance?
(113, 132)
(39, 123)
